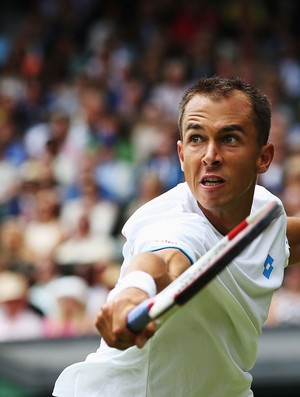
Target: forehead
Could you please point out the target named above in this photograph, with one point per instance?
(233, 109)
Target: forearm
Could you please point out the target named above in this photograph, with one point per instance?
(164, 266)
(152, 264)
(146, 275)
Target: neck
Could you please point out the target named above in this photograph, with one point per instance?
(225, 219)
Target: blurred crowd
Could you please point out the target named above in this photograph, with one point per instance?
(89, 93)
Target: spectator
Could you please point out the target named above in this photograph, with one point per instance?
(89, 201)
(104, 276)
(12, 154)
(85, 246)
(14, 250)
(291, 192)
(145, 132)
(45, 270)
(164, 159)
(70, 317)
(273, 179)
(149, 187)
(35, 175)
(285, 306)
(168, 93)
(18, 321)
(54, 143)
(44, 233)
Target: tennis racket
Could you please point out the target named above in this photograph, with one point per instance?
(204, 269)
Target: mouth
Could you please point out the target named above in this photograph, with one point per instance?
(211, 181)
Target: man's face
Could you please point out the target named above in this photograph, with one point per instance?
(220, 155)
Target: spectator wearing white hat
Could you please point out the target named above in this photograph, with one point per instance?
(70, 317)
(18, 320)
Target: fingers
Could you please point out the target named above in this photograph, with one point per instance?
(112, 325)
(114, 335)
(142, 337)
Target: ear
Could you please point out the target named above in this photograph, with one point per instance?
(265, 158)
(180, 154)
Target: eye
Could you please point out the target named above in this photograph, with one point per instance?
(230, 139)
(195, 139)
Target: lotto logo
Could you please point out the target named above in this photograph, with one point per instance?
(268, 266)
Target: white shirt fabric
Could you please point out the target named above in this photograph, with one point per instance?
(207, 347)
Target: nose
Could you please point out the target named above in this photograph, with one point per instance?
(212, 155)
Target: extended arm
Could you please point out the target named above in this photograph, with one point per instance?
(293, 235)
(164, 266)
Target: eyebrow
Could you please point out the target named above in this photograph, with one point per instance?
(227, 128)
(233, 127)
(194, 126)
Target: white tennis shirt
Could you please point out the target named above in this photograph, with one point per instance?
(207, 347)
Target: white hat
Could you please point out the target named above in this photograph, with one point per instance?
(69, 286)
(12, 286)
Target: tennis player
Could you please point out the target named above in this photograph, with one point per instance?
(208, 346)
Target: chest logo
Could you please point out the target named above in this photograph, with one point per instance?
(268, 266)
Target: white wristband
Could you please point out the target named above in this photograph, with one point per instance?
(137, 279)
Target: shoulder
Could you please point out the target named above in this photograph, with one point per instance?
(275, 234)
(172, 204)
(262, 196)
(172, 220)
(261, 193)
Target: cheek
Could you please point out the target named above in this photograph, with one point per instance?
(191, 166)
(243, 161)
(245, 173)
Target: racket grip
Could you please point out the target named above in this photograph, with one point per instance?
(138, 317)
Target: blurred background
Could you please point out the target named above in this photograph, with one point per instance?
(89, 93)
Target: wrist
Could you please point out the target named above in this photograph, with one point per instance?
(137, 279)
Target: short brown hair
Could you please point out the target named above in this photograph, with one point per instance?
(217, 88)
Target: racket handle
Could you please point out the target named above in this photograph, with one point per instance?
(138, 317)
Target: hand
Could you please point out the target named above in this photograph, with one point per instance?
(111, 320)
